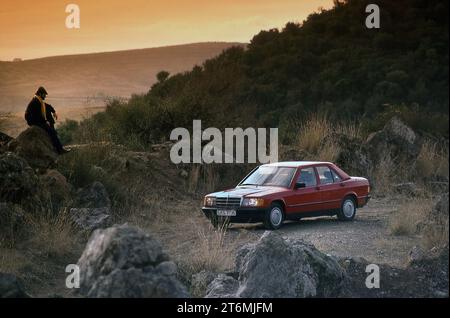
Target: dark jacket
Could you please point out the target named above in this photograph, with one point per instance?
(33, 114)
(49, 113)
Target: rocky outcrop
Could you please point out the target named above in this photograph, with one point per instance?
(200, 282)
(35, 146)
(278, 268)
(396, 140)
(11, 287)
(92, 196)
(91, 208)
(58, 188)
(4, 139)
(18, 182)
(89, 219)
(124, 261)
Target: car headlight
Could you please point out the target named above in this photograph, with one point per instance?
(209, 201)
(253, 202)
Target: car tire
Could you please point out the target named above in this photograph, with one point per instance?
(347, 211)
(274, 217)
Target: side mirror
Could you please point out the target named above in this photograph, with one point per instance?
(300, 185)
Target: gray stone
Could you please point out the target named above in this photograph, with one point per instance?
(278, 268)
(35, 146)
(89, 219)
(11, 287)
(93, 196)
(124, 261)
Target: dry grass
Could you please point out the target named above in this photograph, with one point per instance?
(409, 216)
(52, 235)
(313, 131)
(433, 160)
(316, 136)
(214, 250)
(382, 175)
(436, 235)
(328, 151)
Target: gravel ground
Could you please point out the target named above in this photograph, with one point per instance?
(367, 236)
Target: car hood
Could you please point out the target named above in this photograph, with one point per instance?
(252, 191)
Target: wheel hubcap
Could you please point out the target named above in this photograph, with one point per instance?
(276, 216)
(349, 208)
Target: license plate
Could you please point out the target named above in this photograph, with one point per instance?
(226, 212)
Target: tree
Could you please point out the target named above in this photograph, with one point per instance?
(162, 76)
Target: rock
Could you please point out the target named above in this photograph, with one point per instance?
(352, 155)
(35, 146)
(278, 268)
(18, 181)
(201, 281)
(124, 261)
(93, 196)
(4, 139)
(396, 140)
(12, 221)
(416, 253)
(58, 188)
(11, 287)
(223, 286)
(89, 219)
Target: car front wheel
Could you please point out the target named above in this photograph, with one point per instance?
(347, 211)
(274, 217)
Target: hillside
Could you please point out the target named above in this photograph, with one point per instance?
(329, 64)
(75, 80)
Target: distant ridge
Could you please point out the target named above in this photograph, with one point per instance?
(86, 79)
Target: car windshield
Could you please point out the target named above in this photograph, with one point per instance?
(270, 176)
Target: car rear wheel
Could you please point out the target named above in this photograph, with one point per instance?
(274, 217)
(347, 211)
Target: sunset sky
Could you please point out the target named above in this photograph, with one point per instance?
(31, 29)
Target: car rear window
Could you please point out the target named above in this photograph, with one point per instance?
(325, 175)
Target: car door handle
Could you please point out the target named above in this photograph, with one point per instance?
(342, 184)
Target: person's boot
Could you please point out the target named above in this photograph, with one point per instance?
(63, 151)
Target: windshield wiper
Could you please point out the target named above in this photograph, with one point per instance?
(251, 184)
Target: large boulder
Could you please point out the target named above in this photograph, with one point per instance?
(351, 153)
(11, 287)
(89, 219)
(35, 146)
(4, 139)
(124, 261)
(18, 181)
(91, 208)
(92, 196)
(58, 188)
(396, 140)
(278, 268)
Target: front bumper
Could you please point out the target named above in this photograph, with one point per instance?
(243, 215)
(362, 201)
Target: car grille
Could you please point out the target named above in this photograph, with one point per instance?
(228, 203)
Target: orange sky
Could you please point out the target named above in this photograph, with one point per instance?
(31, 29)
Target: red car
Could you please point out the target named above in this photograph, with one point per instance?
(273, 193)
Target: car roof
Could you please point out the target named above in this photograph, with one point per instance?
(295, 164)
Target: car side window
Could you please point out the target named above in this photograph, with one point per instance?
(325, 175)
(336, 177)
(307, 176)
